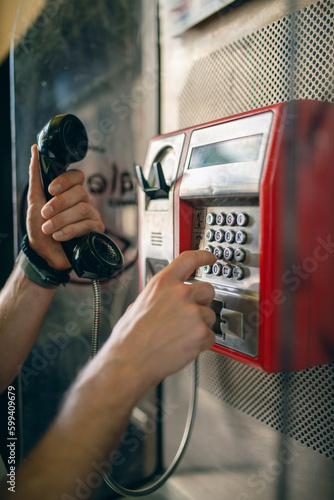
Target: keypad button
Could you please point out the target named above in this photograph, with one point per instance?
(231, 219)
(218, 251)
(209, 248)
(208, 269)
(219, 235)
(242, 219)
(239, 254)
(228, 253)
(238, 273)
(209, 235)
(229, 236)
(220, 219)
(241, 237)
(217, 269)
(227, 271)
(211, 219)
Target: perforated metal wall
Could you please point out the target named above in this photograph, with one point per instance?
(308, 395)
(291, 58)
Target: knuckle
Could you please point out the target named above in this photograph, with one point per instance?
(80, 192)
(209, 339)
(88, 225)
(84, 209)
(210, 291)
(76, 176)
(211, 317)
(91, 225)
(187, 255)
(204, 291)
(202, 332)
(159, 280)
(183, 292)
(68, 232)
(57, 221)
(193, 312)
(58, 203)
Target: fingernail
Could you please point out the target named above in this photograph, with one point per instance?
(55, 189)
(47, 211)
(47, 227)
(57, 235)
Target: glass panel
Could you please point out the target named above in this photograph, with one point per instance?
(221, 153)
(99, 61)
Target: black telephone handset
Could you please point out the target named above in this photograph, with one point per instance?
(63, 140)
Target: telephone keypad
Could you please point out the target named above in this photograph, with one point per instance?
(208, 269)
(220, 235)
(227, 271)
(240, 237)
(217, 269)
(218, 251)
(242, 219)
(232, 236)
(238, 273)
(239, 255)
(228, 253)
(209, 248)
(210, 235)
(231, 219)
(229, 236)
(220, 219)
(211, 218)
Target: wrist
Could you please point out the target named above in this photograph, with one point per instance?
(38, 270)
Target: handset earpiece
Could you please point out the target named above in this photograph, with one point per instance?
(63, 140)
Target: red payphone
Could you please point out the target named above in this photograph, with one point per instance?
(255, 189)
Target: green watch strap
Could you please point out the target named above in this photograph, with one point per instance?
(38, 270)
(38, 276)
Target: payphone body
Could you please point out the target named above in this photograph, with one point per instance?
(256, 189)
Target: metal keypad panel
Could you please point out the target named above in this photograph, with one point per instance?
(232, 234)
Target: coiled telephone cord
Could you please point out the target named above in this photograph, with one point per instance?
(188, 426)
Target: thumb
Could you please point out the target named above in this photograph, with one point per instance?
(36, 194)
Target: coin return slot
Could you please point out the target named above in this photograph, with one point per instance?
(231, 323)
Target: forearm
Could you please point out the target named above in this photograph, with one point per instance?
(166, 328)
(87, 431)
(23, 305)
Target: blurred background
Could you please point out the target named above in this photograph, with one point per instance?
(130, 70)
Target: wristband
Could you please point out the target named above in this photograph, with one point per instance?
(38, 270)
